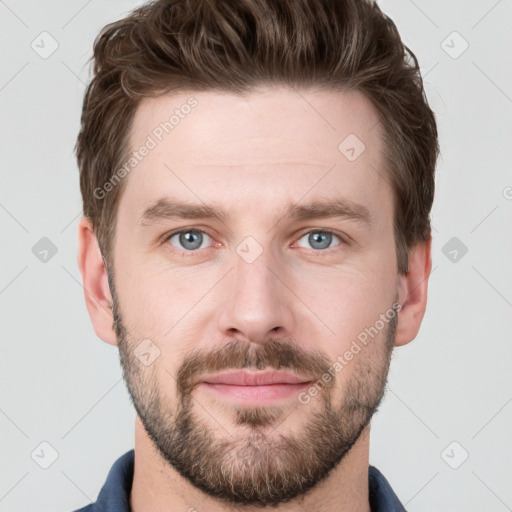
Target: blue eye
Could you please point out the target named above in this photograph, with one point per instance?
(190, 239)
(320, 240)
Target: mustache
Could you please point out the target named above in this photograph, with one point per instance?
(237, 355)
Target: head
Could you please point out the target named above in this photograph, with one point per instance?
(257, 182)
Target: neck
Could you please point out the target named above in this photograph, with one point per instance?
(158, 487)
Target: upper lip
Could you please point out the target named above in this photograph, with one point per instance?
(244, 378)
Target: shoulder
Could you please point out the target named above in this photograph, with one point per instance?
(382, 496)
(114, 496)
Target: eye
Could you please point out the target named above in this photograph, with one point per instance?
(190, 239)
(319, 239)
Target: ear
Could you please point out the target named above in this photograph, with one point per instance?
(98, 298)
(413, 293)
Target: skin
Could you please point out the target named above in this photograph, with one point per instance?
(252, 155)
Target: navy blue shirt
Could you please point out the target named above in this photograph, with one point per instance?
(115, 493)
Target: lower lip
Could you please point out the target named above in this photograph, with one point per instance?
(257, 394)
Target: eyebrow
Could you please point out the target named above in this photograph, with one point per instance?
(167, 209)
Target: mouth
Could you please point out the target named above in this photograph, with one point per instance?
(255, 388)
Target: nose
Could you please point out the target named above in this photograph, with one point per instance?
(257, 302)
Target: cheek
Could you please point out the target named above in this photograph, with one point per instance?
(352, 308)
(161, 302)
(343, 304)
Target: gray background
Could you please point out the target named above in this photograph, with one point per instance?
(60, 384)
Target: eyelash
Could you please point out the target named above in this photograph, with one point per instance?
(184, 252)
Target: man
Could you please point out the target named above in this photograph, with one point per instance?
(257, 178)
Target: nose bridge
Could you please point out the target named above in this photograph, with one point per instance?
(258, 301)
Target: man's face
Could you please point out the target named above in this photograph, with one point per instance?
(276, 283)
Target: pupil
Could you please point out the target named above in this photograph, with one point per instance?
(187, 240)
(316, 238)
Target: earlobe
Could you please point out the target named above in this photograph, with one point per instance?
(413, 293)
(98, 298)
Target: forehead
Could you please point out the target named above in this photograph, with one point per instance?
(267, 146)
(232, 120)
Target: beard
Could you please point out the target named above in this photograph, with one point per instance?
(256, 464)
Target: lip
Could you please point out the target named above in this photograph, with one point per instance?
(255, 388)
(244, 378)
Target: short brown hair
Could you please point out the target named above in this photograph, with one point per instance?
(238, 45)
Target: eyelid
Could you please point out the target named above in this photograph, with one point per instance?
(186, 229)
(169, 235)
(344, 239)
